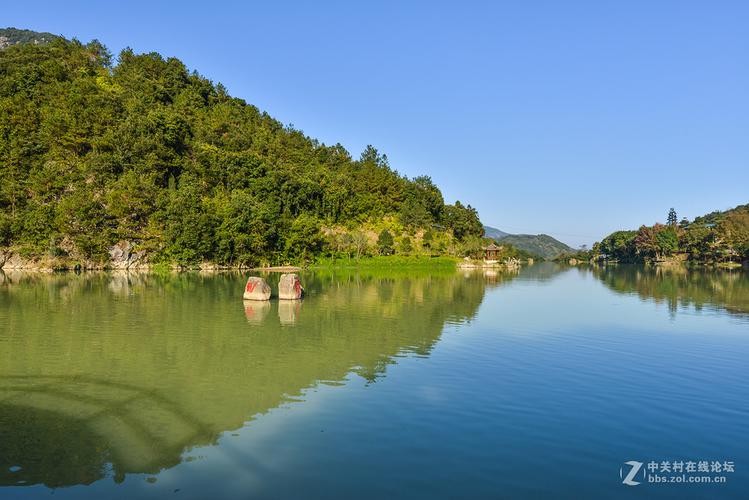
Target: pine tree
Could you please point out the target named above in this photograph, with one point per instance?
(385, 243)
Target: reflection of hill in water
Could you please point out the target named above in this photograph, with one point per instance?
(727, 290)
(543, 271)
(133, 370)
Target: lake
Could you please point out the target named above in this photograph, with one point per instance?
(538, 384)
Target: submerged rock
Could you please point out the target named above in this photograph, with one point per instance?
(256, 289)
(290, 287)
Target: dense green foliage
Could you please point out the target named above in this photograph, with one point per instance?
(92, 153)
(11, 36)
(716, 238)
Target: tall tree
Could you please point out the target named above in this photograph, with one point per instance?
(385, 243)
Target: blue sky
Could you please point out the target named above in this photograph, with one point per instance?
(569, 118)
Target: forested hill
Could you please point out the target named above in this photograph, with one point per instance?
(12, 36)
(95, 152)
(494, 233)
(541, 245)
(720, 237)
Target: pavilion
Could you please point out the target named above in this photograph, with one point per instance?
(492, 251)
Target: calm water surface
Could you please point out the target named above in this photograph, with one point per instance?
(532, 385)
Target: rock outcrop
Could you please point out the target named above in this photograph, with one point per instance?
(290, 287)
(256, 289)
(11, 260)
(123, 256)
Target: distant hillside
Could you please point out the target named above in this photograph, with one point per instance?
(538, 244)
(13, 36)
(718, 215)
(494, 233)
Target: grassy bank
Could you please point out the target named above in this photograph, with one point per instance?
(389, 265)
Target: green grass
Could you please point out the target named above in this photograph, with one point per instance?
(396, 265)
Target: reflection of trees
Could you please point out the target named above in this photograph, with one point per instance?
(679, 286)
(543, 271)
(69, 456)
(132, 370)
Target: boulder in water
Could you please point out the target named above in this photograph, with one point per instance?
(256, 289)
(290, 287)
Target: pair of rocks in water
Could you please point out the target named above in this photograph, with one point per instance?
(289, 288)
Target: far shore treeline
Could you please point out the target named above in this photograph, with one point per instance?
(718, 238)
(94, 152)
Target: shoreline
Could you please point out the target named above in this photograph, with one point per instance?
(725, 266)
(11, 261)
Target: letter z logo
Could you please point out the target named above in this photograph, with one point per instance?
(629, 478)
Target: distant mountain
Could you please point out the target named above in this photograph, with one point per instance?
(13, 36)
(539, 244)
(494, 233)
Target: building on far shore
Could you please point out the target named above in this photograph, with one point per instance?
(491, 252)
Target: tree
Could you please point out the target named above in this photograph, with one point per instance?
(656, 241)
(360, 243)
(667, 240)
(697, 240)
(463, 221)
(304, 239)
(423, 204)
(734, 230)
(619, 245)
(405, 247)
(645, 242)
(427, 239)
(385, 243)
(672, 219)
